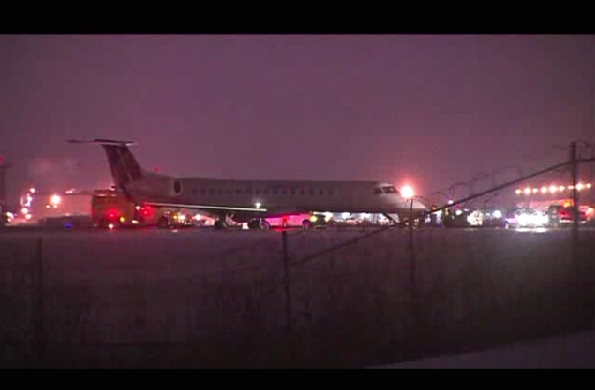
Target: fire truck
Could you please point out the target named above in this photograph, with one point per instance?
(112, 209)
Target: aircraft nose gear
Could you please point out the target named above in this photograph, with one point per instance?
(223, 221)
(219, 224)
(258, 224)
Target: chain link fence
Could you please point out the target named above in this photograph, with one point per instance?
(306, 299)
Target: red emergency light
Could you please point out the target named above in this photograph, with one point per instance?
(146, 211)
(112, 214)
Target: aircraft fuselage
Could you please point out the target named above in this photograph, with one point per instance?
(266, 198)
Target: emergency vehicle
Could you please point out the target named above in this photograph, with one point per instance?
(111, 209)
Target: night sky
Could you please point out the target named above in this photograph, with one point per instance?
(424, 110)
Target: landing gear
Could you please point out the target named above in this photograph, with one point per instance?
(163, 223)
(220, 224)
(258, 223)
(393, 218)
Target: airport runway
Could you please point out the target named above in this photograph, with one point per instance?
(32, 229)
(153, 245)
(193, 251)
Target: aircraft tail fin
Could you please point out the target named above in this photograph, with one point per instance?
(123, 165)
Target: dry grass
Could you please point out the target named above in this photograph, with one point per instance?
(352, 307)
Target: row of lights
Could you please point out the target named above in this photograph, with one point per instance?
(552, 189)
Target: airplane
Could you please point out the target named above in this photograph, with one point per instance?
(248, 201)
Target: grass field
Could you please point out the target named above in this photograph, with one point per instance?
(212, 299)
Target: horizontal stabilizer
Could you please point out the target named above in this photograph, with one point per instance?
(102, 141)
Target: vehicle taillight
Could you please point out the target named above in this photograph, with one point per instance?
(145, 211)
(112, 214)
(563, 214)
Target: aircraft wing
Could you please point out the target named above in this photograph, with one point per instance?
(205, 208)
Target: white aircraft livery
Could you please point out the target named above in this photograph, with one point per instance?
(248, 201)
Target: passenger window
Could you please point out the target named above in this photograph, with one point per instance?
(377, 191)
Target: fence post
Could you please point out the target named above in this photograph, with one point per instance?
(287, 289)
(286, 282)
(39, 325)
(412, 265)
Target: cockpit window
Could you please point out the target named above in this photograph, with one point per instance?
(385, 190)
